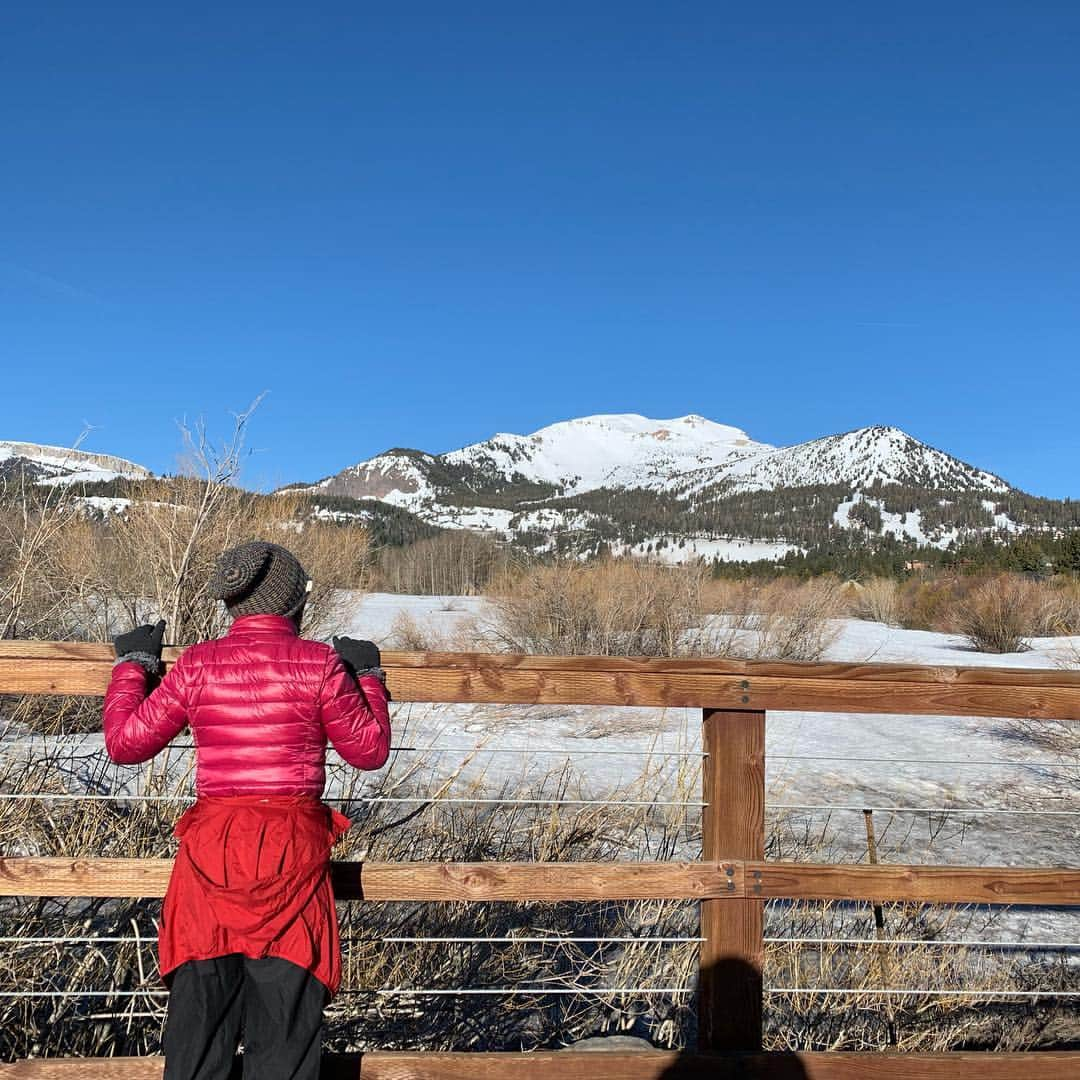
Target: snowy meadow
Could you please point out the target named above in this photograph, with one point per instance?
(475, 782)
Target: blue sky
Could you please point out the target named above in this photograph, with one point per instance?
(420, 228)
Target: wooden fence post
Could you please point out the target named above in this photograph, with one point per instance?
(733, 827)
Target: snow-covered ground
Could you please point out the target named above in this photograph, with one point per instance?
(956, 790)
(727, 549)
(921, 762)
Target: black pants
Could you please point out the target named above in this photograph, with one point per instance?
(276, 1006)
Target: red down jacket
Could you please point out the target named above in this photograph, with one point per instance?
(261, 703)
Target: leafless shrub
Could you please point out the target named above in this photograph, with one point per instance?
(931, 603)
(954, 603)
(616, 607)
(775, 621)
(65, 574)
(1001, 614)
(1062, 607)
(877, 600)
(799, 624)
(1058, 737)
(408, 634)
(458, 562)
(33, 583)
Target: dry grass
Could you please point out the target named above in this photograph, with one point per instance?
(68, 574)
(1002, 610)
(415, 635)
(63, 574)
(457, 562)
(1000, 615)
(779, 620)
(616, 607)
(877, 600)
(632, 607)
(438, 830)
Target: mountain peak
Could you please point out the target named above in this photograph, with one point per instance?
(59, 464)
(610, 450)
(687, 486)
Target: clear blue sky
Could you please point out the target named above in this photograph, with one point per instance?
(420, 228)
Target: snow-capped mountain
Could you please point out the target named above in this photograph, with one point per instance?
(860, 459)
(679, 489)
(681, 456)
(619, 451)
(395, 477)
(60, 465)
(689, 484)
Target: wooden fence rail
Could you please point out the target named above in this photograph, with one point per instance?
(45, 667)
(610, 1065)
(723, 881)
(732, 881)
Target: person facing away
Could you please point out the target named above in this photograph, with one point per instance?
(248, 938)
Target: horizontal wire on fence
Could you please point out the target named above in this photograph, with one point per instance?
(1020, 946)
(89, 797)
(588, 991)
(33, 742)
(467, 800)
(539, 991)
(393, 991)
(30, 939)
(150, 939)
(148, 992)
(550, 940)
(926, 761)
(1031, 946)
(836, 991)
(570, 751)
(862, 808)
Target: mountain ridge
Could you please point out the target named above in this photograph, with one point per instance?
(629, 483)
(623, 483)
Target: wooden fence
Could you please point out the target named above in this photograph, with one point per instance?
(732, 880)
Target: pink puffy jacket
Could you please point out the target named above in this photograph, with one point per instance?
(261, 702)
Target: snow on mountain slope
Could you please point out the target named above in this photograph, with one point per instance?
(856, 459)
(620, 450)
(401, 477)
(682, 455)
(629, 482)
(61, 465)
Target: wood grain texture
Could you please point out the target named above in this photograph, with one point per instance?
(102, 652)
(732, 952)
(607, 1065)
(27, 876)
(709, 880)
(925, 884)
(83, 669)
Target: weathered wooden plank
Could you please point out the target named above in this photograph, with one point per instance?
(70, 668)
(778, 669)
(920, 884)
(608, 1065)
(31, 876)
(732, 952)
(661, 1066)
(27, 876)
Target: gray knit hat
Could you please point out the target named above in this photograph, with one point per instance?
(260, 579)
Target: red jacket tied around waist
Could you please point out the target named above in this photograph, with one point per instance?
(252, 874)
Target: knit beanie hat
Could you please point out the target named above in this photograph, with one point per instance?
(260, 579)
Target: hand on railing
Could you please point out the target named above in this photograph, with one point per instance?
(142, 646)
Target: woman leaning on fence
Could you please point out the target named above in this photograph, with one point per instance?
(248, 937)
